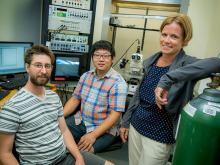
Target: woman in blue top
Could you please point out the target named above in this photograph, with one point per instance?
(149, 122)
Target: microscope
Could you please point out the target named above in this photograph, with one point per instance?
(135, 71)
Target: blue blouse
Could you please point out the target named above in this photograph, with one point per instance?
(148, 119)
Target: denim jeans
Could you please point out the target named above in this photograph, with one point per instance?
(78, 131)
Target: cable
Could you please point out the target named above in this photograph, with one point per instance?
(126, 51)
(55, 32)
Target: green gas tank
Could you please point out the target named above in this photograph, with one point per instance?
(198, 132)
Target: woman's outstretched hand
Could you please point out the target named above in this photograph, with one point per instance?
(161, 96)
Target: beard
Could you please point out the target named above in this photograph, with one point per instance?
(40, 80)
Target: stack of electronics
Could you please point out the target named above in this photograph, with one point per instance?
(67, 29)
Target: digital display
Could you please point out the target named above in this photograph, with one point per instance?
(66, 68)
(12, 57)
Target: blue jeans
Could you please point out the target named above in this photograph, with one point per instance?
(78, 131)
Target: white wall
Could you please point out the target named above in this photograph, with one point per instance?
(20, 20)
(206, 39)
(102, 16)
(206, 24)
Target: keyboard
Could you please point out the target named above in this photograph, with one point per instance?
(3, 94)
(14, 83)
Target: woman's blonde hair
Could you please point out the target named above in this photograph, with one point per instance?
(185, 23)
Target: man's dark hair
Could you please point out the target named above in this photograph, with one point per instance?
(38, 50)
(103, 44)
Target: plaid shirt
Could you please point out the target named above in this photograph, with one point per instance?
(99, 96)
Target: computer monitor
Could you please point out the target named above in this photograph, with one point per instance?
(66, 67)
(12, 57)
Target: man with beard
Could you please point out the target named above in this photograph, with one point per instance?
(33, 119)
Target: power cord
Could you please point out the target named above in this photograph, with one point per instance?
(137, 40)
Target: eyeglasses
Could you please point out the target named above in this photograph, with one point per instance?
(40, 66)
(104, 56)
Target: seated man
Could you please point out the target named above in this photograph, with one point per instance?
(33, 118)
(102, 95)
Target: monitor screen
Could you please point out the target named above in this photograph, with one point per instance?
(12, 57)
(66, 68)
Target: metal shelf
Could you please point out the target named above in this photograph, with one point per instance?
(137, 28)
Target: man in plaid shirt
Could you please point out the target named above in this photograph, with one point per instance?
(102, 94)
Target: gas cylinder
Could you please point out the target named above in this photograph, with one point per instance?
(198, 132)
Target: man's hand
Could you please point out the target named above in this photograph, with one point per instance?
(124, 134)
(86, 142)
(161, 97)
